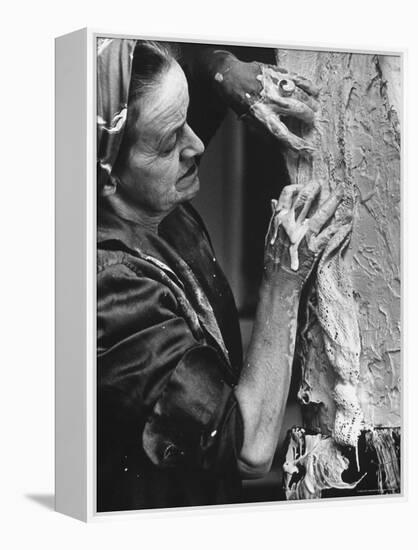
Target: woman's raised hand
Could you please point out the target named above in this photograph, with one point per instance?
(284, 95)
(294, 241)
(266, 95)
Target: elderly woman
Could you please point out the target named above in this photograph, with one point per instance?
(182, 419)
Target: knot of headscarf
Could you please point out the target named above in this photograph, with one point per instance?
(114, 65)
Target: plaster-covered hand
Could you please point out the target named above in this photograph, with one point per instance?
(294, 241)
(266, 94)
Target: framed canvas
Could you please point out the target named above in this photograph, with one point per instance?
(228, 274)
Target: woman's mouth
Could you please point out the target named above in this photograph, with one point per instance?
(191, 171)
(188, 179)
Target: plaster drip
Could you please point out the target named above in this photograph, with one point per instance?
(313, 463)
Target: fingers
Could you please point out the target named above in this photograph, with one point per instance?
(300, 95)
(274, 223)
(290, 106)
(289, 139)
(283, 212)
(326, 211)
(277, 68)
(296, 102)
(268, 118)
(305, 199)
(275, 229)
(305, 84)
(319, 242)
(285, 201)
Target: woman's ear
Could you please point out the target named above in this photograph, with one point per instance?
(109, 188)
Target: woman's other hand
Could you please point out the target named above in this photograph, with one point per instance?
(267, 95)
(294, 242)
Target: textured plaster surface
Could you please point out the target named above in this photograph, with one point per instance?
(357, 140)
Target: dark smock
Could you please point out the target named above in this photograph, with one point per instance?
(169, 354)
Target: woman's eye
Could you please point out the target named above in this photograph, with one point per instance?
(172, 144)
(169, 147)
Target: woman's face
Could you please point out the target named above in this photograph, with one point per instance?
(160, 170)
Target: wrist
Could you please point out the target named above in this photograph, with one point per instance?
(282, 278)
(277, 296)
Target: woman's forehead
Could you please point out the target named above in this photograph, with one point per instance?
(166, 104)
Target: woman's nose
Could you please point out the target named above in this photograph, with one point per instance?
(193, 144)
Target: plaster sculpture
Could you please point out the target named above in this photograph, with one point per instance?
(349, 333)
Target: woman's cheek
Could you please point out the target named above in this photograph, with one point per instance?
(170, 174)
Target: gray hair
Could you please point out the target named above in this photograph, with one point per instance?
(150, 61)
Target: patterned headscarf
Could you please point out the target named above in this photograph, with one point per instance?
(114, 64)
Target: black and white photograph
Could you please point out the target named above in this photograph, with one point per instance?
(209, 275)
(248, 274)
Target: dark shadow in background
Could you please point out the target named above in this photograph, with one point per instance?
(45, 500)
(241, 171)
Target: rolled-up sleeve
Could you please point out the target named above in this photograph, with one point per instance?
(158, 377)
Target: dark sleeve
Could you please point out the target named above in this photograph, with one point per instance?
(196, 421)
(207, 109)
(158, 377)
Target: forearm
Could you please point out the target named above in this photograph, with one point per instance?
(264, 383)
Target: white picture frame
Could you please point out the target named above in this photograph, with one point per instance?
(75, 173)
